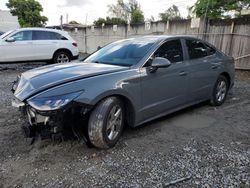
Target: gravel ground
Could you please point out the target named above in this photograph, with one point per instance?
(203, 146)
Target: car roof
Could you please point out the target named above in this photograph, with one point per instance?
(40, 29)
(158, 38)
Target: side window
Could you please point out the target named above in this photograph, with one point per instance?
(47, 35)
(23, 36)
(41, 35)
(54, 36)
(210, 50)
(171, 50)
(63, 38)
(57, 36)
(197, 49)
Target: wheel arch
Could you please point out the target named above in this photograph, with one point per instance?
(130, 112)
(62, 49)
(227, 76)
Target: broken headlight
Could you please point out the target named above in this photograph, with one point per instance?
(53, 102)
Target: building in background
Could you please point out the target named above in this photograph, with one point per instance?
(7, 21)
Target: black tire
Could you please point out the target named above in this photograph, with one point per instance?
(63, 54)
(215, 99)
(98, 130)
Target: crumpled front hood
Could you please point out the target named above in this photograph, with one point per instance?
(40, 79)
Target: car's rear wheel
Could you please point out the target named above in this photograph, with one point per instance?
(106, 123)
(62, 57)
(220, 91)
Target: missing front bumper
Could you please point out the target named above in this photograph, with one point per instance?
(66, 123)
(45, 126)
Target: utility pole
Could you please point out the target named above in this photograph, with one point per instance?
(86, 19)
(61, 22)
(67, 18)
(205, 20)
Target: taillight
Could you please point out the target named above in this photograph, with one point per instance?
(74, 44)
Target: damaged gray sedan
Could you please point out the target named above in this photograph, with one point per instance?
(125, 83)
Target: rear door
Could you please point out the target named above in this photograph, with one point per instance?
(45, 44)
(165, 88)
(203, 69)
(19, 50)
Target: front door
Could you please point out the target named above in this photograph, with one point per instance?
(20, 49)
(165, 88)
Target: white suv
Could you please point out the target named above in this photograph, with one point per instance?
(37, 44)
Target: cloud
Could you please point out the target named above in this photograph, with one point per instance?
(84, 11)
(77, 3)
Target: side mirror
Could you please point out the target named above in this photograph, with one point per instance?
(159, 62)
(11, 39)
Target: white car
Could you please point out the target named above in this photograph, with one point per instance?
(37, 44)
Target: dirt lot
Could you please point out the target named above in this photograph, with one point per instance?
(206, 146)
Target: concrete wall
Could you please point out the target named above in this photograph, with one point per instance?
(230, 36)
(88, 40)
(7, 21)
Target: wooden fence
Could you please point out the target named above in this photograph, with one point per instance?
(231, 36)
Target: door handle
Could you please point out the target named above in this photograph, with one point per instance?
(183, 73)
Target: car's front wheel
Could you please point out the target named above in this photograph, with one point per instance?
(61, 57)
(220, 91)
(106, 123)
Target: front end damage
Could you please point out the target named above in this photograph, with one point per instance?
(59, 124)
(53, 117)
(48, 125)
(57, 99)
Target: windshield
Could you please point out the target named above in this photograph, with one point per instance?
(6, 34)
(122, 53)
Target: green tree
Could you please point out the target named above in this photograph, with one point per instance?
(137, 17)
(73, 22)
(109, 21)
(28, 12)
(130, 11)
(191, 13)
(172, 13)
(115, 21)
(119, 10)
(220, 8)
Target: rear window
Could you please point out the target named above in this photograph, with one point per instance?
(47, 35)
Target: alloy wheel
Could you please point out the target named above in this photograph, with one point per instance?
(114, 122)
(221, 90)
(62, 58)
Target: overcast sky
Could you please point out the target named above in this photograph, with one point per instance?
(89, 10)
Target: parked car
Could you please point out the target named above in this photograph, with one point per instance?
(37, 44)
(128, 82)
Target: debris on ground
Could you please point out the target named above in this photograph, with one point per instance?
(196, 147)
